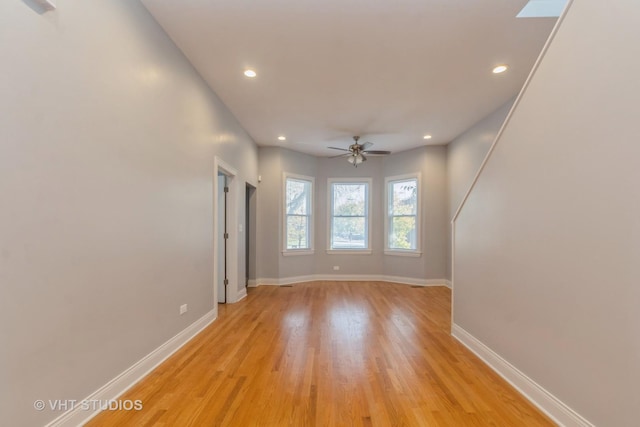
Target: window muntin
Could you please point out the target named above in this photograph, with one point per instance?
(349, 215)
(402, 214)
(298, 213)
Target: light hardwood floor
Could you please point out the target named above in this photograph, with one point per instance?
(328, 354)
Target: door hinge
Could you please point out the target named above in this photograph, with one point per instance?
(226, 189)
(226, 282)
(226, 235)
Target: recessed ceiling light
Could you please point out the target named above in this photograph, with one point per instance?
(282, 138)
(500, 69)
(427, 137)
(250, 73)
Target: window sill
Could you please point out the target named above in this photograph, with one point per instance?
(293, 252)
(349, 251)
(414, 254)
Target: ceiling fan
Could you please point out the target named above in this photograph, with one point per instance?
(355, 154)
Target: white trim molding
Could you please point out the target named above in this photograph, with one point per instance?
(413, 281)
(352, 278)
(127, 379)
(368, 183)
(418, 215)
(284, 281)
(536, 394)
(242, 294)
(396, 252)
(349, 251)
(233, 183)
(297, 252)
(309, 250)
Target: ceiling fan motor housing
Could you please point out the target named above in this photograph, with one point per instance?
(356, 152)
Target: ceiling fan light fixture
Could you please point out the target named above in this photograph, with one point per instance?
(355, 154)
(250, 73)
(356, 159)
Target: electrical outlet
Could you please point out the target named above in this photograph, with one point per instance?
(336, 267)
(183, 309)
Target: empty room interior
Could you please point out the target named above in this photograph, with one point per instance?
(336, 213)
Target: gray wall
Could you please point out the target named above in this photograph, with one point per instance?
(547, 244)
(107, 141)
(464, 157)
(429, 161)
(349, 264)
(300, 164)
(269, 230)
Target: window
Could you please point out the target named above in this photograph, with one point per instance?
(403, 215)
(349, 215)
(298, 221)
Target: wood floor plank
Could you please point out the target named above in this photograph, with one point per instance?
(327, 354)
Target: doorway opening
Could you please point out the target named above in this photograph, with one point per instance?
(250, 235)
(223, 237)
(225, 260)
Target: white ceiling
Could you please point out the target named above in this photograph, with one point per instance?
(391, 71)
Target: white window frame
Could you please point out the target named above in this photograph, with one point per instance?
(330, 183)
(387, 215)
(304, 251)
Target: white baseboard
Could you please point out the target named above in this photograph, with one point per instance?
(413, 281)
(120, 384)
(268, 282)
(352, 278)
(242, 294)
(252, 283)
(285, 280)
(545, 401)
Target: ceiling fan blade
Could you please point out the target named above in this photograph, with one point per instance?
(336, 148)
(377, 152)
(340, 155)
(366, 145)
(364, 158)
